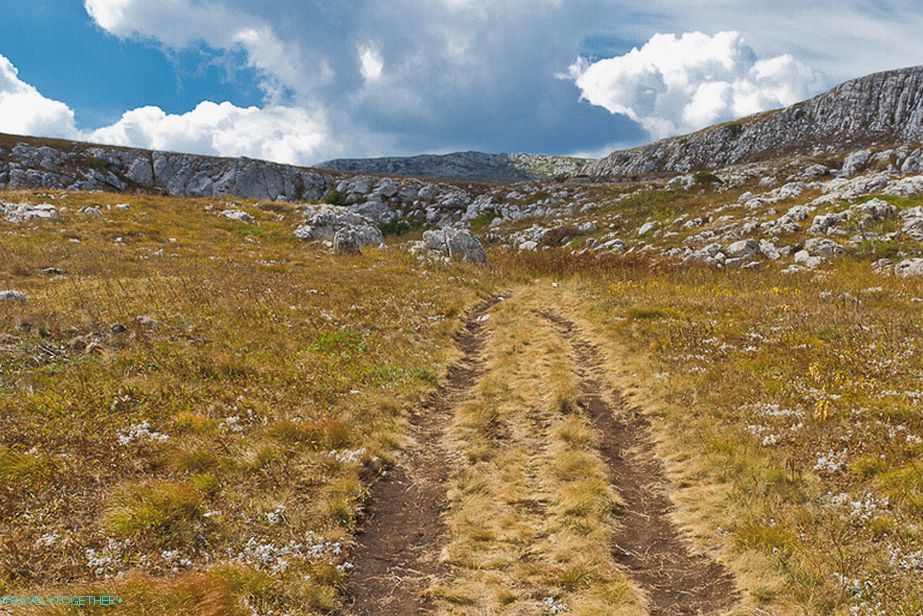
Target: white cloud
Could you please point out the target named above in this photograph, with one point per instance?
(282, 134)
(279, 133)
(24, 111)
(679, 84)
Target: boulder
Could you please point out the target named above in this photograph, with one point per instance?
(321, 222)
(455, 244)
(822, 247)
(386, 188)
(825, 223)
(743, 249)
(23, 212)
(346, 242)
(875, 210)
(769, 250)
(855, 162)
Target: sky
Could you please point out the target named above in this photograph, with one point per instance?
(302, 81)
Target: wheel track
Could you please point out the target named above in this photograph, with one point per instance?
(398, 546)
(677, 581)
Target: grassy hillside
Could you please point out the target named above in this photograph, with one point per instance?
(193, 408)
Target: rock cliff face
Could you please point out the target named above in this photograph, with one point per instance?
(467, 166)
(40, 163)
(883, 108)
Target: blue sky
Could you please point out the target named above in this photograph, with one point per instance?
(304, 81)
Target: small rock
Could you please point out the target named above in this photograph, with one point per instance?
(238, 215)
(145, 321)
(648, 227)
(12, 296)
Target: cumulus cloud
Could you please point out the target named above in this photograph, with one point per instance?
(24, 111)
(675, 84)
(282, 134)
(279, 133)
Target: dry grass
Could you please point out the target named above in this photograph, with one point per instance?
(530, 517)
(788, 410)
(213, 452)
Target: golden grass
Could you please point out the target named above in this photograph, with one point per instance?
(530, 517)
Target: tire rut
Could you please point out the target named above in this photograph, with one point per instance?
(677, 581)
(398, 545)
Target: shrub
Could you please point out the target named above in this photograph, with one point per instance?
(735, 129)
(335, 197)
(706, 177)
(400, 226)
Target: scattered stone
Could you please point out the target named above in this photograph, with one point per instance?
(145, 321)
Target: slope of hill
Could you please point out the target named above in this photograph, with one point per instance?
(470, 166)
(884, 108)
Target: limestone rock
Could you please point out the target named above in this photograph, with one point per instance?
(455, 244)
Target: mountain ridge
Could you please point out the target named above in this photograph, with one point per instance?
(877, 109)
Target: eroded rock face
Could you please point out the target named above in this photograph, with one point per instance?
(78, 167)
(881, 108)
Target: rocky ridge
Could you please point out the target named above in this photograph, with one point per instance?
(881, 109)
(467, 166)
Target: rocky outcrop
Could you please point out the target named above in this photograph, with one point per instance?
(884, 108)
(36, 163)
(468, 166)
(347, 230)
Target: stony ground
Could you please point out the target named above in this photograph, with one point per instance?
(206, 414)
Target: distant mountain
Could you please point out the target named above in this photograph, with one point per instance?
(880, 109)
(467, 166)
